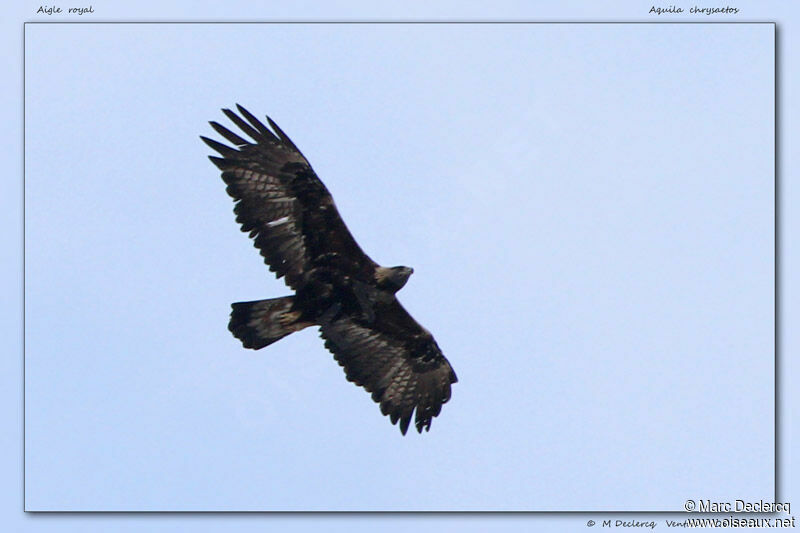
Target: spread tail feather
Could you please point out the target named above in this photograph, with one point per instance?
(262, 322)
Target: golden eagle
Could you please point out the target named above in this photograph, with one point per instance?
(294, 223)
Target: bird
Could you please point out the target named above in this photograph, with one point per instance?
(294, 223)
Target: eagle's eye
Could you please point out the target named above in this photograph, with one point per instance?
(400, 275)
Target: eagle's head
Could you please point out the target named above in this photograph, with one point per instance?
(393, 278)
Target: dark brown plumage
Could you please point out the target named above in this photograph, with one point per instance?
(294, 223)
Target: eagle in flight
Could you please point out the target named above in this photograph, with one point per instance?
(294, 223)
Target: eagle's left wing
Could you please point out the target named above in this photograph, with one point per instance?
(395, 359)
(266, 207)
(281, 202)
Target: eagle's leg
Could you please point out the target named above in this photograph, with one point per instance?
(289, 318)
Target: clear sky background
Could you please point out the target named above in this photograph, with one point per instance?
(588, 210)
(591, 229)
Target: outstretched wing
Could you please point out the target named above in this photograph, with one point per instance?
(395, 359)
(280, 201)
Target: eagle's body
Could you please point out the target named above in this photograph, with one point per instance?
(294, 222)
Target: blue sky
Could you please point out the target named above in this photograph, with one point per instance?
(591, 230)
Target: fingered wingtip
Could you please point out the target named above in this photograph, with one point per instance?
(220, 148)
(228, 134)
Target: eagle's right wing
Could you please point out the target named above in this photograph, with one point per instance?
(395, 359)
